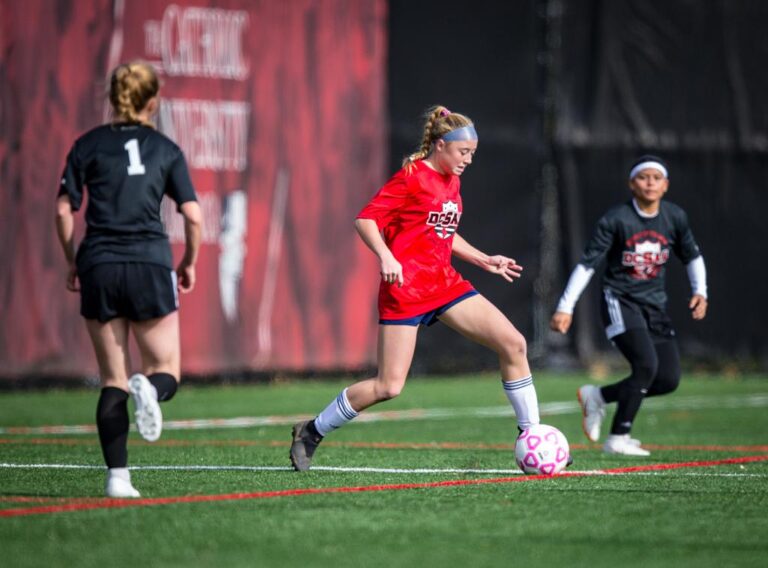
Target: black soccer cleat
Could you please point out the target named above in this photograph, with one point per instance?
(305, 442)
(569, 463)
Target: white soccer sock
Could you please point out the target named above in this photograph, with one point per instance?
(335, 415)
(522, 394)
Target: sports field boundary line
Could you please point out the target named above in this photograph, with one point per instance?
(461, 446)
(285, 468)
(692, 402)
(146, 502)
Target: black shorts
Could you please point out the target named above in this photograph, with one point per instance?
(133, 290)
(620, 314)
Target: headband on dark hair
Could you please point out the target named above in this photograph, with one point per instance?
(648, 162)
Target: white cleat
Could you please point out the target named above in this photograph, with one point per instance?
(149, 417)
(592, 409)
(622, 444)
(118, 487)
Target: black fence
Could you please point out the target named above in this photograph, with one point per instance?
(564, 95)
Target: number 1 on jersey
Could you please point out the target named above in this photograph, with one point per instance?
(135, 167)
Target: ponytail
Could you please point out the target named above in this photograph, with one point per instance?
(131, 87)
(438, 121)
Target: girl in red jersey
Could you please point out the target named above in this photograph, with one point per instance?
(410, 224)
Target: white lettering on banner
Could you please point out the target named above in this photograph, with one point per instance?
(212, 134)
(234, 227)
(210, 203)
(199, 42)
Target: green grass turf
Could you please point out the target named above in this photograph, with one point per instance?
(683, 517)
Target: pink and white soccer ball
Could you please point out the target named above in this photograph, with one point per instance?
(542, 450)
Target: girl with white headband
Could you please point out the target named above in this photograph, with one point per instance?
(636, 239)
(410, 224)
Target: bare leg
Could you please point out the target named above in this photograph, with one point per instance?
(395, 352)
(159, 345)
(110, 342)
(479, 320)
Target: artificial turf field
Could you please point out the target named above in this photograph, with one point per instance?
(428, 480)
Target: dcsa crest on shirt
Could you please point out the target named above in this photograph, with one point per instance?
(446, 221)
(645, 254)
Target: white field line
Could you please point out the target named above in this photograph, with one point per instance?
(407, 471)
(757, 400)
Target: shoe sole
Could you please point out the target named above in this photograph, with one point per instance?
(583, 415)
(294, 433)
(149, 417)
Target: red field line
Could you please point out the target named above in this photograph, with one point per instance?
(370, 445)
(81, 505)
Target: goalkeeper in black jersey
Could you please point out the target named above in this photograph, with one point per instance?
(636, 239)
(123, 267)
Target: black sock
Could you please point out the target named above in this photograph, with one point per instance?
(165, 384)
(312, 430)
(112, 423)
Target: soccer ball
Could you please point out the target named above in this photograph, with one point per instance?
(542, 450)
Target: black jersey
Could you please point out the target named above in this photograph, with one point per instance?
(127, 168)
(637, 249)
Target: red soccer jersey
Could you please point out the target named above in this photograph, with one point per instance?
(418, 213)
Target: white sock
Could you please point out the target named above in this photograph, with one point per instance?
(335, 415)
(120, 472)
(522, 394)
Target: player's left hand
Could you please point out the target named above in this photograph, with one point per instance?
(186, 277)
(698, 307)
(506, 267)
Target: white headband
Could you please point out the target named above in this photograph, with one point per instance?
(646, 165)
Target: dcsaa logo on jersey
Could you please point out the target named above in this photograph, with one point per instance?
(445, 221)
(646, 254)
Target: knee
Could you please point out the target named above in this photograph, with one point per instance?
(665, 383)
(645, 370)
(389, 390)
(514, 347)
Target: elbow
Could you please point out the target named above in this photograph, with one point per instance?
(360, 224)
(63, 209)
(196, 219)
(193, 215)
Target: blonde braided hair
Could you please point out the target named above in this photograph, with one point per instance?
(438, 122)
(131, 87)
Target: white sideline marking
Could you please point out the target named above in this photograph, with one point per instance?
(695, 402)
(427, 471)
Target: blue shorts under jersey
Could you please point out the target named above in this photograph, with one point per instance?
(431, 317)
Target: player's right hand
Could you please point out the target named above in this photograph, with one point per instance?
(391, 270)
(561, 322)
(72, 283)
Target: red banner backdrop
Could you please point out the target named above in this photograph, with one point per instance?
(279, 107)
